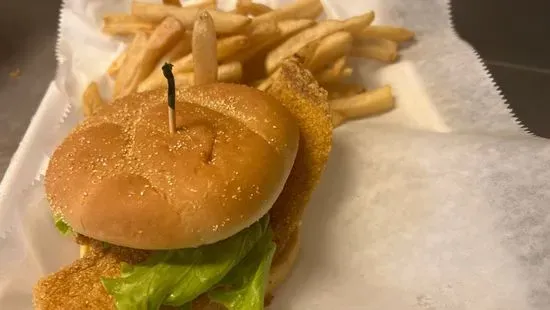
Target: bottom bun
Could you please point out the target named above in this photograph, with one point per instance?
(280, 270)
(282, 266)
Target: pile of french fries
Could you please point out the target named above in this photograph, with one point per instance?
(250, 43)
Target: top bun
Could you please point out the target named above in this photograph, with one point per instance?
(122, 178)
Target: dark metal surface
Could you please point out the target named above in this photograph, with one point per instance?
(27, 40)
(512, 36)
(513, 39)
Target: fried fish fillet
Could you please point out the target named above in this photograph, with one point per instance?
(78, 286)
(299, 92)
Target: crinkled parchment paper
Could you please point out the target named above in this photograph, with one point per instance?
(439, 204)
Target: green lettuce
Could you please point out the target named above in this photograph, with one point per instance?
(177, 277)
(61, 225)
(244, 286)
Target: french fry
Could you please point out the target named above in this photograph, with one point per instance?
(228, 73)
(260, 37)
(124, 24)
(322, 29)
(254, 67)
(287, 28)
(91, 99)
(224, 22)
(172, 2)
(257, 83)
(365, 104)
(204, 50)
(264, 84)
(379, 49)
(247, 7)
(293, 26)
(182, 48)
(134, 55)
(236, 48)
(298, 41)
(329, 49)
(203, 4)
(305, 54)
(225, 48)
(347, 72)
(142, 59)
(397, 34)
(116, 64)
(335, 72)
(339, 90)
(356, 24)
(337, 119)
(300, 9)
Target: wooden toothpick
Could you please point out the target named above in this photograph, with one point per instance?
(167, 71)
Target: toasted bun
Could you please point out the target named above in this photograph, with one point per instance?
(283, 263)
(120, 177)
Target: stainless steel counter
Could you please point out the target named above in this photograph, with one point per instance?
(27, 65)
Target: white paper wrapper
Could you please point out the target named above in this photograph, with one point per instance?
(440, 204)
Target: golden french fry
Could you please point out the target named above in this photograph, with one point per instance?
(228, 73)
(397, 34)
(260, 37)
(257, 83)
(379, 49)
(84, 249)
(247, 7)
(116, 64)
(134, 55)
(356, 24)
(301, 9)
(91, 99)
(205, 62)
(305, 54)
(286, 28)
(299, 41)
(124, 24)
(337, 118)
(293, 26)
(322, 29)
(141, 60)
(339, 90)
(225, 48)
(224, 22)
(172, 2)
(366, 104)
(228, 46)
(329, 49)
(335, 72)
(347, 72)
(264, 84)
(203, 4)
(254, 66)
(182, 48)
(264, 32)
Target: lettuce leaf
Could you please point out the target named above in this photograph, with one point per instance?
(61, 225)
(177, 277)
(243, 288)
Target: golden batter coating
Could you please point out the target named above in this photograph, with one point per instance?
(78, 286)
(296, 88)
